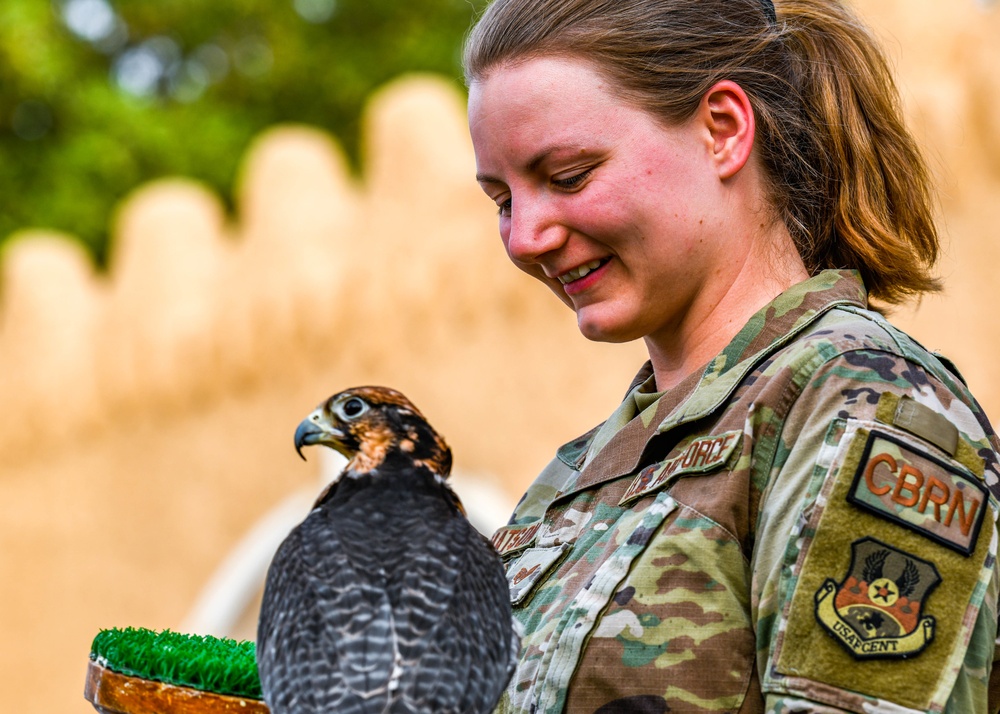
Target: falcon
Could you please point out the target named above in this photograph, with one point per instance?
(386, 598)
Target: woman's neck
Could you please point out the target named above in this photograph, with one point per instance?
(719, 314)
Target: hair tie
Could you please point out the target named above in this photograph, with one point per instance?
(769, 11)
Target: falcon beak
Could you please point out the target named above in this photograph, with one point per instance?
(316, 429)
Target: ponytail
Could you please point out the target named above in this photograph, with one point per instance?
(844, 174)
(870, 207)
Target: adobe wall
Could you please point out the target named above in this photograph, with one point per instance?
(149, 411)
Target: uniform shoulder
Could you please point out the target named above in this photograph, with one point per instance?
(847, 329)
(843, 330)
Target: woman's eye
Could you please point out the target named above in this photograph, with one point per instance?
(504, 208)
(572, 181)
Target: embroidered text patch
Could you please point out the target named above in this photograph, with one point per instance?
(701, 455)
(511, 539)
(919, 491)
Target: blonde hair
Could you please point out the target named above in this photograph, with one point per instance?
(845, 175)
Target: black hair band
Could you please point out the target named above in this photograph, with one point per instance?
(769, 11)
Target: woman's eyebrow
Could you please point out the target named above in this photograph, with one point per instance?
(484, 178)
(532, 164)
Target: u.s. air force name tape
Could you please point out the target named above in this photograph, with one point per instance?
(701, 455)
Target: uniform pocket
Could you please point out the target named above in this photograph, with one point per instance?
(678, 626)
(529, 568)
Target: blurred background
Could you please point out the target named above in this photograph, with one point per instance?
(215, 215)
(99, 96)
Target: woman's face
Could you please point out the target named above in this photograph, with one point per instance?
(621, 216)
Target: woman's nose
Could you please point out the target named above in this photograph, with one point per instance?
(533, 230)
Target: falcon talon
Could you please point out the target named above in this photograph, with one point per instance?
(385, 598)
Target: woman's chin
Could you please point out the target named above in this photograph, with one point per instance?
(603, 330)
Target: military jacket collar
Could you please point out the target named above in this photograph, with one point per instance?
(702, 393)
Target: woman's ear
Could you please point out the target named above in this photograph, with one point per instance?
(726, 112)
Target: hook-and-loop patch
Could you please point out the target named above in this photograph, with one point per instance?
(512, 539)
(892, 569)
(877, 610)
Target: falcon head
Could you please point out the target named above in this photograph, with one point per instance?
(369, 425)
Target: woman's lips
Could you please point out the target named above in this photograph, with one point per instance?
(579, 271)
(584, 276)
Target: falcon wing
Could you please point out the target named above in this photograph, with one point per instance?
(338, 652)
(459, 621)
(486, 621)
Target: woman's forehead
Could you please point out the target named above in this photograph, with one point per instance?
(531, 89)
(551, 104)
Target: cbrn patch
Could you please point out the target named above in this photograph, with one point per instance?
(897, 481)
(877, 610)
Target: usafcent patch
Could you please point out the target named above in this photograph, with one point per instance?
(877, 610)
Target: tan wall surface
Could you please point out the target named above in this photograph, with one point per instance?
(148, 412)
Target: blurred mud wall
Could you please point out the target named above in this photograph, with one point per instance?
(148, 411)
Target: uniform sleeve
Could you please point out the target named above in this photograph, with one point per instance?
(994, 685)
(874, 580)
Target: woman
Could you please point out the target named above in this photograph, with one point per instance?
(791, 510)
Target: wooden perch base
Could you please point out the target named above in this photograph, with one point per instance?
(114, 693)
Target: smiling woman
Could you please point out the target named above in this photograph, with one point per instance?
(729, 180)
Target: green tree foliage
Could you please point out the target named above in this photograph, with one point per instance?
(98, 96)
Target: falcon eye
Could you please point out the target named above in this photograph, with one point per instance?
(352, 408)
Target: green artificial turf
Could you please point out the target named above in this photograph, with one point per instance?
(222, 666)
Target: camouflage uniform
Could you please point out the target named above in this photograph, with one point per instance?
(806, 526)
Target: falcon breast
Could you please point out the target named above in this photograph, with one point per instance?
(385, 599)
